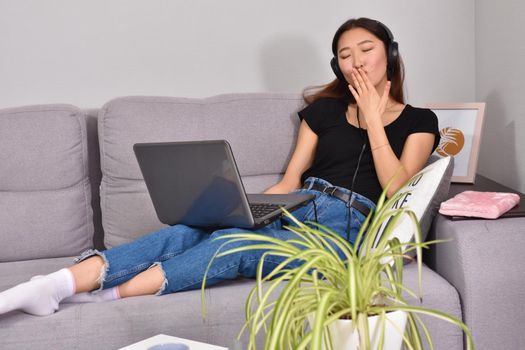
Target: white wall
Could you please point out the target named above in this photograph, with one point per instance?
(87, 52)
(500, 82)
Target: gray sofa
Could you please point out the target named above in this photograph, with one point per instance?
(69, 181)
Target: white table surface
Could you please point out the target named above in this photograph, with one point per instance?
(163, 339)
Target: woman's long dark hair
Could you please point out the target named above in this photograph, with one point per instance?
(339, 89)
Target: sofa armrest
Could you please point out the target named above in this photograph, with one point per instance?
(485, 261)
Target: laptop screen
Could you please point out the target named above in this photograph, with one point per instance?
(195, 183)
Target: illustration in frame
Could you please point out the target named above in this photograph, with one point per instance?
(460, 126)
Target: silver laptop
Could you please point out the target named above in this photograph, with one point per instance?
(197, 183)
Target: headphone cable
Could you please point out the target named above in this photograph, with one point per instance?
(351, 199)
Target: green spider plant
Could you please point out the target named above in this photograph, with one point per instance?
(365, 282)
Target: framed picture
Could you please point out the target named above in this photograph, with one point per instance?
(460, 126)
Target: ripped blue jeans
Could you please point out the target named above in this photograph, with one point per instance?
(183, 252)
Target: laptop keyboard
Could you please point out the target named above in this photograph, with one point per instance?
(261, 209)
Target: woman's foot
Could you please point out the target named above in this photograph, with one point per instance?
(40, 296)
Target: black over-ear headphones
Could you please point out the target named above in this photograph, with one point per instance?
(392, 57)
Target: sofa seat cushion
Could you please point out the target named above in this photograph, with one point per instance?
(268, 122)
(114, 324)
(44, 184)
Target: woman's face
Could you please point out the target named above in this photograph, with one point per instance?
(358, 47)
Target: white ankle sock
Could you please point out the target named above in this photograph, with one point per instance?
(39, 296)
(90, 297)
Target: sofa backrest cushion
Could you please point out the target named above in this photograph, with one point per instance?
(44, 185)
(261, 129)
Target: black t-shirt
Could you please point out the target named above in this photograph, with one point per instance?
(340, 143)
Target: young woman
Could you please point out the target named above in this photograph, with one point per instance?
(355, 134)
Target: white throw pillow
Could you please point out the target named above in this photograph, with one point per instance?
(423, 195)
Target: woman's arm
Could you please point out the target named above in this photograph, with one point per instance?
(301, 160)
(416, 150)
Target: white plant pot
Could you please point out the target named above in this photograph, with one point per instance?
(345, 337)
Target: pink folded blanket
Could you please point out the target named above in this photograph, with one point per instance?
(488, 205)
